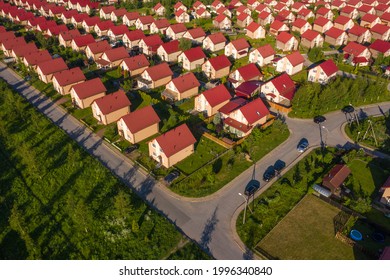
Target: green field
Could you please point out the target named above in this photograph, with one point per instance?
(58, 202)
(307, 232)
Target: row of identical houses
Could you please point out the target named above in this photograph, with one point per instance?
(238, 114)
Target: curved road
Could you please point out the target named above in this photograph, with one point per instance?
(210, 221)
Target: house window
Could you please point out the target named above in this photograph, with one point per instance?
(154, 154)
(153, 145)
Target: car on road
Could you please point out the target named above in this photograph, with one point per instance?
(131, 149)
(269, 173)
(252, 187)
(279, 165)
(319, 119)
(302, 145)
(172, 176)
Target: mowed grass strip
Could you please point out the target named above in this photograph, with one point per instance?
(307, 232)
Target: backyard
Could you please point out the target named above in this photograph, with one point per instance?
(307, 232)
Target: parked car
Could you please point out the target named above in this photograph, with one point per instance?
(302, 145)
(269, 173)
(171, 176)
(252, 187)
(279, 165)
(131, 148)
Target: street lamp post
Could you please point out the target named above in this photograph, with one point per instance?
(327, 132)
(246, 204)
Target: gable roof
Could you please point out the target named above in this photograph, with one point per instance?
(162, 23)
(89, 88)
(220, 62)
(240, 44)
(217, 95)
(159, 71)
(220, 18)
(295, 58)
(354, 48)
(242, 16)
(69, 76)
(357, 30)
(194, 54)
(112, 102)
(217, 38)
(186, 82)
(277, 24)
(179, 12)
(299, 22)
(36, 57)
(197, 32)
(342, 20)
(253, 26)
(119, 29)
(380, 46)
(13, 42)
(254, 110)
(310, 34)
(131, 15)
(284, 85)
(69, 34)
(136, 62)
(369, 18)
(116, 54)
(21, 50)
(337, 175)
(135, 35)
(83, 40)
(152, 40)
(171, 46)
(334, 32)
(52, 66)
(266, 50)
(146, 20)
(178, 28)
(249, 71)
(379, 28)
(284, 37)
(105, 25)
(232, 105)
(321, 21)
(329, 67)
(91, 21)
(175, 140)
(141, 119)
(99, 47)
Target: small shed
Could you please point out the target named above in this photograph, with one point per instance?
(336, 177)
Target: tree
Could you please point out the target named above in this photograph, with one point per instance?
(185, 44)
(315, 54)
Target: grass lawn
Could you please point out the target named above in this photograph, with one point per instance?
(381, 126)
(58, 202)
(46, 89)
(205, 151)
(300, 77)
(307, 232)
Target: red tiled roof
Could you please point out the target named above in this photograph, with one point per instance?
(357, 30)
(381, 7)
(329, 67)
(89, 88)
(9, 44)
(135, 35)
(216, 3)
(321, 21)
(196, 32)
(295, 58)
(248, 89)
(119, 29)
(132, 15)
(304, 12)
(220, 62)
(380, 46)
(178, 5)
(158, 6)
(249, 71)
(266, 50)
(284, 37)
(178, 28)
(6, 36)
(91, 21)
(21, 50)
(197, 4)
(347, 9)
(116, 54)
(112, 102)
(220, 18)
(217, 95)
(342, 20)
(52, 66)
(43, 26)
(200, 11)
(284, 85)
(80, 17)
(179, 12)
(159, 71)
(310, 34)
(277, 25)
(107, 9)
(240, 44)
(253, 26)
(299, 22)
(37, 57)
(105, 25)
(171, 46)
(354, 48)
(186, 82)
(70, 34)
(136, 62)
(242, 16)
(119, 12)
(217, 38)
(232, 105)
(68, 77)
(263, 15)
(369, 18)
(99, 47)
(83, 40)
(254, 111)
(365, 8)
(2, 29)
(175, 140)
(194, 54)
(385, 16)
(334, 32)
(337, 175)
(379, 28)
(55, 30)
(141, 119)
(237, 125)
(152, 40)
(146, 20)
(162, 23)
(322, 11)
(69, 13)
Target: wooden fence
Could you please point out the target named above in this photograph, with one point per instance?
(280, 108)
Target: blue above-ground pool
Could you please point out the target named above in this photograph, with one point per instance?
(356, 235)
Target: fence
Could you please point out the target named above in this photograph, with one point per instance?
(218, 141)
(280, 108)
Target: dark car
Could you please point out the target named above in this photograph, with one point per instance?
(269, 173)
(131, 149)
(303, 145)
(252, 187)
(319, 119)
(171, 176)
(279, 165)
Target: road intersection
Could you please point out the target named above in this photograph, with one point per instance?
(210, 221)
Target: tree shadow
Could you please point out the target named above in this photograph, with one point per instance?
(208, 230)
(13, 247)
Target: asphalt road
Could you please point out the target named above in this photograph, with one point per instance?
(210, 221)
